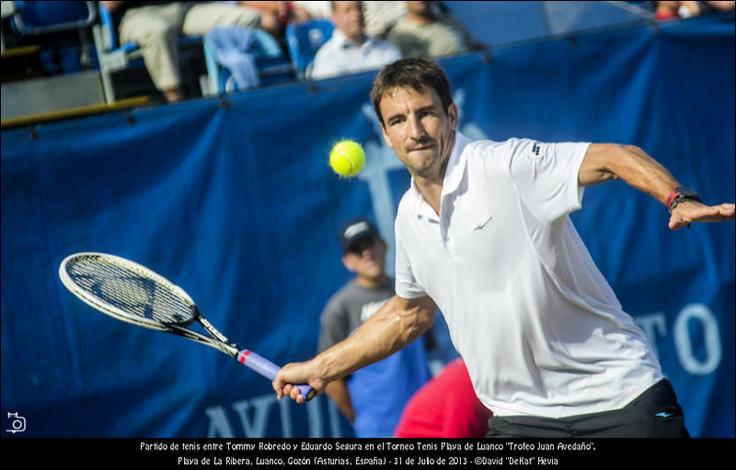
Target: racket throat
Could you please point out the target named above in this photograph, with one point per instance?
(211, 329)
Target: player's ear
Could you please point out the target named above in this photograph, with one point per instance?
(452, 113)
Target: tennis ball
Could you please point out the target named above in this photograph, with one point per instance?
(347, 158)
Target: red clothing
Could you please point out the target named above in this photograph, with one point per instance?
(446, 406)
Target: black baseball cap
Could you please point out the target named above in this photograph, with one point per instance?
(356, 231)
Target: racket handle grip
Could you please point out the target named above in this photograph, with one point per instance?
(269, 370)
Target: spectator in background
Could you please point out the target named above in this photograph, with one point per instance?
(350, 49)
(673, 10)
(156, 27)
(279, 14)
(720, 5)
(446, 407)
(317, 9)
(381, 16)
(372, 398)
(424, 31)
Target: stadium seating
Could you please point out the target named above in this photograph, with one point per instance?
(304, 40)
(45, 25)
(49, 65)
(272, 64)
(114, 57)
(34, 17)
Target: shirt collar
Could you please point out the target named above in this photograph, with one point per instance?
(454, 172)
(456, 165)
(343, 42)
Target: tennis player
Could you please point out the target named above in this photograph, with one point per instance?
(483, 233)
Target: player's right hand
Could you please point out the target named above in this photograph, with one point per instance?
(694, 211)
(297, 373)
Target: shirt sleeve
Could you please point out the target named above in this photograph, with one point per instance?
(546, 176)
(406, 285)
(447, 39)
(334, 326)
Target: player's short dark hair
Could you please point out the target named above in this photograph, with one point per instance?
(419, 74)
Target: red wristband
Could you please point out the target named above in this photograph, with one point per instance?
(671, 198)
(680, 194)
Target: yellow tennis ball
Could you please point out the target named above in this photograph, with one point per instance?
(347, 158)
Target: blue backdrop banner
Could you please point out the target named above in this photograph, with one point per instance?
(234, 201)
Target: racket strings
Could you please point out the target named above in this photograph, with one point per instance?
(133, 291)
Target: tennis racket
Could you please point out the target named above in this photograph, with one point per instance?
(133, 293)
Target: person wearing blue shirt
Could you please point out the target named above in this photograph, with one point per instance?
(372, 398)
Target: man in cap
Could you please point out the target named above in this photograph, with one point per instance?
(374, 397)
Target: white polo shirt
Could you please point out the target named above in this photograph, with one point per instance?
(340, 55)
(539, 327)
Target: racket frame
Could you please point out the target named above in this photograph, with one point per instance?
(217, 340)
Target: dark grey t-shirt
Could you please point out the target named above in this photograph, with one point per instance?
(349, 308)
(380, 390)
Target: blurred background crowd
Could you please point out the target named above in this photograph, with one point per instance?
(68, 55)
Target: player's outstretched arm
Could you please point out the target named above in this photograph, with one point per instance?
(399, 322)
(604, 162)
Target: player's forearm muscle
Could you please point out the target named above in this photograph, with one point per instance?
(395, 325)
(629, 163)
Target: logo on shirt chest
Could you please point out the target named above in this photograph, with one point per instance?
(482, 225)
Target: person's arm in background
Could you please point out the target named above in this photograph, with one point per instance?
(720, 5)
(337, 391)
(604, 162)
(299, 13)
(112, 5)
(277, 13)
(335, 327)
(399, 322)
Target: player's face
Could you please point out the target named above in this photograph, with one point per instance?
(367, 258)
(419, 130)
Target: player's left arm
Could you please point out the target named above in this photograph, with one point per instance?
(604, 162)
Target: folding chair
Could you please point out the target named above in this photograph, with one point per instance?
(36, 17)
(272, 64)
(304, 40)
(113, 56)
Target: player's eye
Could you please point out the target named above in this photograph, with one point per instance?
(395, 120)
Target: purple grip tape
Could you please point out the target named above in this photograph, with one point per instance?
(269, 370)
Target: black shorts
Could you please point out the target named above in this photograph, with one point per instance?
(654, 413)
